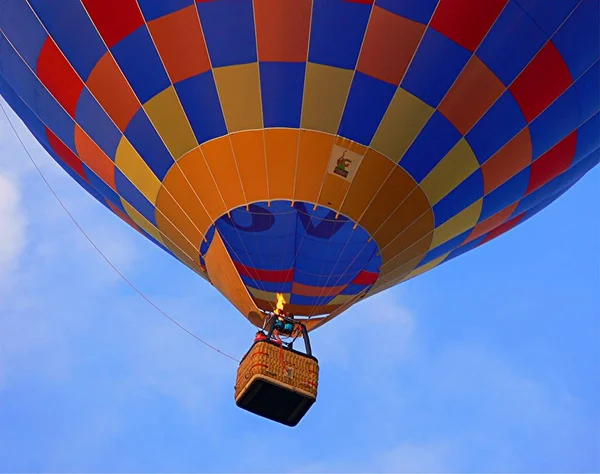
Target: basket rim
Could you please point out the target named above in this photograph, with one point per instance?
(273, 343)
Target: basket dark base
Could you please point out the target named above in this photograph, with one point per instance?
(266, 398)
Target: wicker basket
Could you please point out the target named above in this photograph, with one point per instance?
(276, 382)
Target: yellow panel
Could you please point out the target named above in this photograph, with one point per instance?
(267, 295)
(315, 149)
(333, 192)
(249, 149)
(219, 157)
(404, 119)
(282, 151)
(135, 168)
(454, 168)
(141, 221)
(239, 91)
(325, 92)
(464, 220)
(225, 278)
(167, 116)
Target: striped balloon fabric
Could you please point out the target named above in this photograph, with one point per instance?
(322, 149)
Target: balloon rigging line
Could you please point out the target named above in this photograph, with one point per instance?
(88, 238)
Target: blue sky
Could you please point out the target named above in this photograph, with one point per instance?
(487, 363)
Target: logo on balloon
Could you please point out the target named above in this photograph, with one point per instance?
(344, 162)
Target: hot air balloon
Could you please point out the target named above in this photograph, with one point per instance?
(325, 150)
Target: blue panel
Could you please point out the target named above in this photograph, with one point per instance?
(433, 143)
(93, 119)
(134, 197)
(503, 121)
(310, 300)
(465, 248)
(103, 188)
(465, 194)
(19, 24)
(505, 195)
(512, 42)
(374, 265)
(445, 248)
(354, 289)
(577, 40)
(151, 9)
(142, 135)
(337, 32)
(588, 93)
(548, 17)
(588, 139)
(20, 78)
(200, 101)
(367, 102)
(417, 10)
(33, 123)
(282, 87)
(434, 68)
(73, 31)
(229, 31)
(555, 123)
(138, 59)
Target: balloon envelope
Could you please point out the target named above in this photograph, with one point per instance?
(324, 149)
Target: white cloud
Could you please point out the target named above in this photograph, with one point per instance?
(12, 225)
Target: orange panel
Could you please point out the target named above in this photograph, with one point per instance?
(315, 150)
(179, 41)
(396, 266)
(112, 91)
(414, 206)
(399, 185)
(95, 158)
(394, 277)
(282, 151)
(307, 290)
(222, 164)
(419, 229)
(475, 90)
(186, 259)
(333, 191)
(177, 204)
(514, 157)
(204, 188)
(249, 149)
(174, 224)
(389, 36)
(282, 28)
(373, 171)
(225, 278)
(491, 222)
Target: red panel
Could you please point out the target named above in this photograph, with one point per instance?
(66, 155)
(491, 223)
(541, 82)
(466, 22)
(114, 19)
(501, 229)
(552, 163)
(364, 2)
(57, 74)
(365, 278)
(265, 275)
